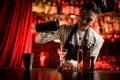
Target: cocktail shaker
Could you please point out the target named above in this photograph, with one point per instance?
(47, 26)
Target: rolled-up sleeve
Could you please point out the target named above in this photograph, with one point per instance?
(44, 37)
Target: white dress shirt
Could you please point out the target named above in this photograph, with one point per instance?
(95, 40)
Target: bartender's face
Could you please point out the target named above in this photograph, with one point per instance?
(85, 19)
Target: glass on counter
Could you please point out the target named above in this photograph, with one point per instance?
(62, 53)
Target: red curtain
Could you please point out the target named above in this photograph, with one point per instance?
(15, 31)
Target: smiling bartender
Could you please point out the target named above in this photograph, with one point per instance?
(78, 36)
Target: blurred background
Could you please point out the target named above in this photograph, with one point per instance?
(107, 25)
(17, 31)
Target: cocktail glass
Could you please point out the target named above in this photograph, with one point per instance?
(62, 53)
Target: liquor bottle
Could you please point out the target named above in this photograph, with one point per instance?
(86, 55)
(75, 20)
(118, 5)
(53, 9)
(92, 58)
(72, 8)
(80, 59)
(63, 7)
(47, 8)
(81, 2)
(67, 8)
(77, 8)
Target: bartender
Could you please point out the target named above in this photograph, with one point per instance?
(78, 36)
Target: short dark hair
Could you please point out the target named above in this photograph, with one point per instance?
(91, 6)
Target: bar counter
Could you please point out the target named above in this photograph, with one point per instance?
(54, 74)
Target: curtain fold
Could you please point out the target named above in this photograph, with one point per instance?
(15, 31)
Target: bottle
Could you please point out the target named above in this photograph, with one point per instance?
(92, 58)
(80, 59)
(72, 8)
(77, 8)
(118, 6)
(67, 8)
(63, 5)
(47, 8)
(81, 2)
(86, 56)
(53, 9)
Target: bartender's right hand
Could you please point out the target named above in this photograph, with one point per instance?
(57, 20)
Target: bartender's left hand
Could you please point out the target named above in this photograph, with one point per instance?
(67, 66)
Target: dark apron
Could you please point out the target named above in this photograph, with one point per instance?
(73, 49)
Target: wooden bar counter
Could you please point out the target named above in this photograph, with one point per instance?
(54, 74)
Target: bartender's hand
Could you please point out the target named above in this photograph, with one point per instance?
(67, 66)
(56, 19)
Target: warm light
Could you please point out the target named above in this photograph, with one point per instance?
(42, 59)
(57, 40)
(39, 21)
(115, 35)
(69, 20)
(32, 30)
(118, 4)
(72, 16)
(75, 20)
(112, 39)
